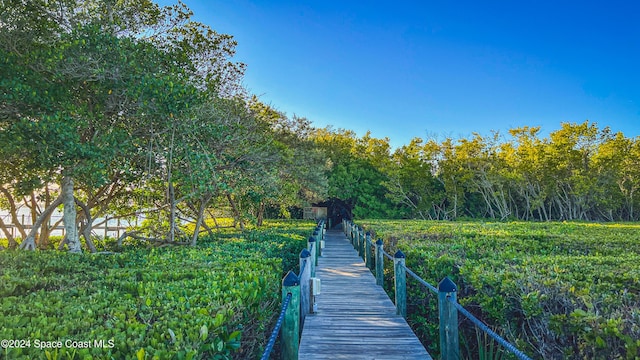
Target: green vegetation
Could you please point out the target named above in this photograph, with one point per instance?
(556, 290)
(215, 301)
(131, 109)
(126, 109)
(578, 172)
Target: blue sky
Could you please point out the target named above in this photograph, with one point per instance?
(405, 69)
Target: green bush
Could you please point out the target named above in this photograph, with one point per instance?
(217, 300)
(556, 290)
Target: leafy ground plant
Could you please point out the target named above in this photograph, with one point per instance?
(556, 290)
(214, 301)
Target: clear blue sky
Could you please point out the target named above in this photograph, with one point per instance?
(449, 68)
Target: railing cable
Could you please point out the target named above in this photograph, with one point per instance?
(276, 330)
(519, 354)
(421, 281)
(482, 326)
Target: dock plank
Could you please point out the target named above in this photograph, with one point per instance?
(355, 317)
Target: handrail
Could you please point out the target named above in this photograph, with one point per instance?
(387, 255)
(276, 329)
(291, 317)
(519, 354)
(422, 281)
(450, 299)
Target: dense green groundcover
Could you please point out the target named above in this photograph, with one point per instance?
(217, 300)
(556, 290)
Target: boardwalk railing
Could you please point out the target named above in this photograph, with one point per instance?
(448, 306)
(298, 298)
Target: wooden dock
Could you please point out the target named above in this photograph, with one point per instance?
(355, 317)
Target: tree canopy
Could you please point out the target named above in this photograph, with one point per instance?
(578, 172)
(126, 109)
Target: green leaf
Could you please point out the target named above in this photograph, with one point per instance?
(204, 332)
(140, 354)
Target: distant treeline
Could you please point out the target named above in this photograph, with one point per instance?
(579, 172)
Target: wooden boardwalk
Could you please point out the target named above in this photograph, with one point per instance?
(355, 317)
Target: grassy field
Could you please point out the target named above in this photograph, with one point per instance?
(216, 301)
(556, 290)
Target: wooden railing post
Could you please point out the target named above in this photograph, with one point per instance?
(449, 343)
(321, 238)
(367, 251)
(379, 263)
(353, 235)
(291, 323)
(400, 277)
(316, 253)
(312, 248)
(306, 299)
(361, 242)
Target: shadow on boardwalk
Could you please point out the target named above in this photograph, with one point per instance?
(355, 317)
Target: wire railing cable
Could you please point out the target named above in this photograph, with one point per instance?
(276, 330)
(421, 281)
(519, 354)
(387, 255)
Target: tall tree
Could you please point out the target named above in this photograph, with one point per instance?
(358, 171)
(412, 181)
(95, 74)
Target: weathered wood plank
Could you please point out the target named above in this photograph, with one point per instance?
(355, 317)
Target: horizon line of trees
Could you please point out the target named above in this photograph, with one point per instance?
(126, 108)
(578, 172)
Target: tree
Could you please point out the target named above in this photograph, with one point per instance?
(357, 172)
(530, 180)
(95, 74)
(295, 176)
(412, 182)
(617, 162)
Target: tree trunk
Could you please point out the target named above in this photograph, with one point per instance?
(215, 221)
(236, 212)
(260, 216)
(12, 242)
(172, 213)
(45, 230)
(13, 210)
(33, 206)
(200, 219)
(86, 228)
(69, 215)
(206, 227)
(29, 242)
